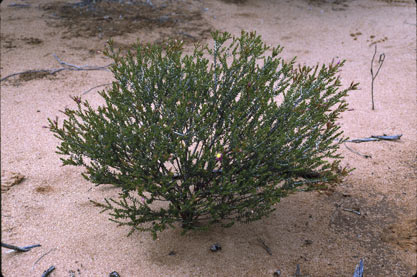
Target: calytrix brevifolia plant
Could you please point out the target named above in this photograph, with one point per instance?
(217, 136)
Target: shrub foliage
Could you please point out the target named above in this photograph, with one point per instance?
(217, 136)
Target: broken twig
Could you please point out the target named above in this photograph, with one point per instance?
(264, 246)
(187, 35)
(82, 67)
(385, 137)
(65, 66)
(46, 71)
(48, 271)
(362, 140)
(375, 138)
(16, 5)
(19, 249)
(352, 211)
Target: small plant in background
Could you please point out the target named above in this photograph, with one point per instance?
(196, 142)
(373, 76)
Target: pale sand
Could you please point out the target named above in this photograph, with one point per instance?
(51, 206)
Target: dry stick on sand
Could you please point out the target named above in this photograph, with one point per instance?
(48, 271)
(65, 66)
(376, 138)
(47, 71)
(264, 246)
(15, 5)
(82, 67)
(372, 138)
(19, 249)
(380, 62)
(352, 211)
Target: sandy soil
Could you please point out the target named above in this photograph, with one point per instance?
(42, 202)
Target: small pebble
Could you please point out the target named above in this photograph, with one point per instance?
(308, 242)
(172, 253)
(114, 274)
(215, 247)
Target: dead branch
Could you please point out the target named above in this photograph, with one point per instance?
(15, 5)
(376, 138)
(385, 137)
(352, 211)
(48, 271)
(47, 71)
(19, 249)
(82, 67)
(65, 66)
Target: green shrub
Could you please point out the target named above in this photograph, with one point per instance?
(198, 142)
